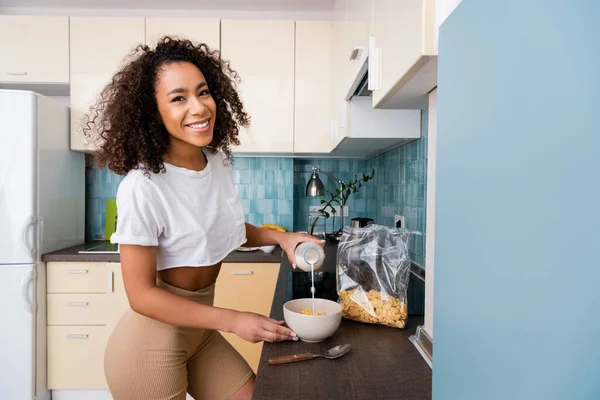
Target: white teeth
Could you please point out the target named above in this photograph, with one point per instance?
(199, 126)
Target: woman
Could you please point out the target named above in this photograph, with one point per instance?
(167, 121)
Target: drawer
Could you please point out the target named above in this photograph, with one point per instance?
(78, 309)
(76, 357)
(77, 277)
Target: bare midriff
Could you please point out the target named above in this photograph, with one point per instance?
(191, 278)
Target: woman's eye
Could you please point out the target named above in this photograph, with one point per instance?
(204, 92)
(178, 98)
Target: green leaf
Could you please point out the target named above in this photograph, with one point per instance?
(322, 201)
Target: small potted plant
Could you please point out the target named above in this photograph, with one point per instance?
(340, 198)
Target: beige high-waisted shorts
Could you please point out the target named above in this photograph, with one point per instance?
(147, 359)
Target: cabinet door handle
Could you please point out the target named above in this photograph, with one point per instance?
(77, 336)
(354, 53)
(77, 271)
(111, 281)
(77, 303)
(242, 272)
(16, 73)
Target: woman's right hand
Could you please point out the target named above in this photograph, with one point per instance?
(258, 328)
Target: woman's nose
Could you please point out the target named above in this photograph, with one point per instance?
(196, 106)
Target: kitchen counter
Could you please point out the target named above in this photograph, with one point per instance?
(72, 254)
(383, 363)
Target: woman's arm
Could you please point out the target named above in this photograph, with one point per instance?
(138, 264)
(261, 236)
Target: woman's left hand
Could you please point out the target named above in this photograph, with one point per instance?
(289, 241)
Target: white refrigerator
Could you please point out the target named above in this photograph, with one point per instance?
(42, 209)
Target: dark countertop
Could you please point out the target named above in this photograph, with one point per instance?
(72, 254)
(383, 363)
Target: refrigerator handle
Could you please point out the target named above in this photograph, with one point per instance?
(25, 285)
(29, 222)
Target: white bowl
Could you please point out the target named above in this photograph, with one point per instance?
(311, 328)
(268, 249)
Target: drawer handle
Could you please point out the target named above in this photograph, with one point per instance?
(242, 272)
(16, 73)
(77, 303)
(77, 271)
(77, 335)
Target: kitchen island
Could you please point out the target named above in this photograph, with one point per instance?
(383, 363)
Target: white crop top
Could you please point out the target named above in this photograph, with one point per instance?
(194, 217)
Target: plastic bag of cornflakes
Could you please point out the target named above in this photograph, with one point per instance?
(373, 270)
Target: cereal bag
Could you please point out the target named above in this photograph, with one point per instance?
(373, 270)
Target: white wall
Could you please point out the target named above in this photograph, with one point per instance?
(430, 224)
(66, 100)
(443, 8)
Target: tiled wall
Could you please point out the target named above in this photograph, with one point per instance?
(272, 190)
(342, 169)
(101, 185)
(399, 187)
(265, 187)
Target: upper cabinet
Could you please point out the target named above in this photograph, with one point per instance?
(262, 53)
(200, 30)
(35, 49)
(313, 127)
(358, 25)
(405, 31)
(98, 47)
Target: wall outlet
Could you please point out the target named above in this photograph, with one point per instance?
(337, 210)
(399, 221)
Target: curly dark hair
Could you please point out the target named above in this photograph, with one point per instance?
(124, 124)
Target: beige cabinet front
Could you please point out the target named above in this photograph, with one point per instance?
(84, 302)
(76, 357)
(198, 30)
(98, 47)
(405, 32)
(313, 126)
(246, 287)
(34, 49)
(262, 54)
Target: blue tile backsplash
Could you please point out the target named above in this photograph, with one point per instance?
(266, 189)
(272, 190)
(399, 187)
(265, 186)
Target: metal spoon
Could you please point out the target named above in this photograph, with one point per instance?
(334, 352)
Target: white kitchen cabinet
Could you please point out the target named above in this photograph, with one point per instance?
(359, 130)
(34, 49)
(262, 53)
(405, 31)
(199, 30)
(313, 114)
(98, 47)
(358, 23)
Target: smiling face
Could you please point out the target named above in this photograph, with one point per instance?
(185, 105)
